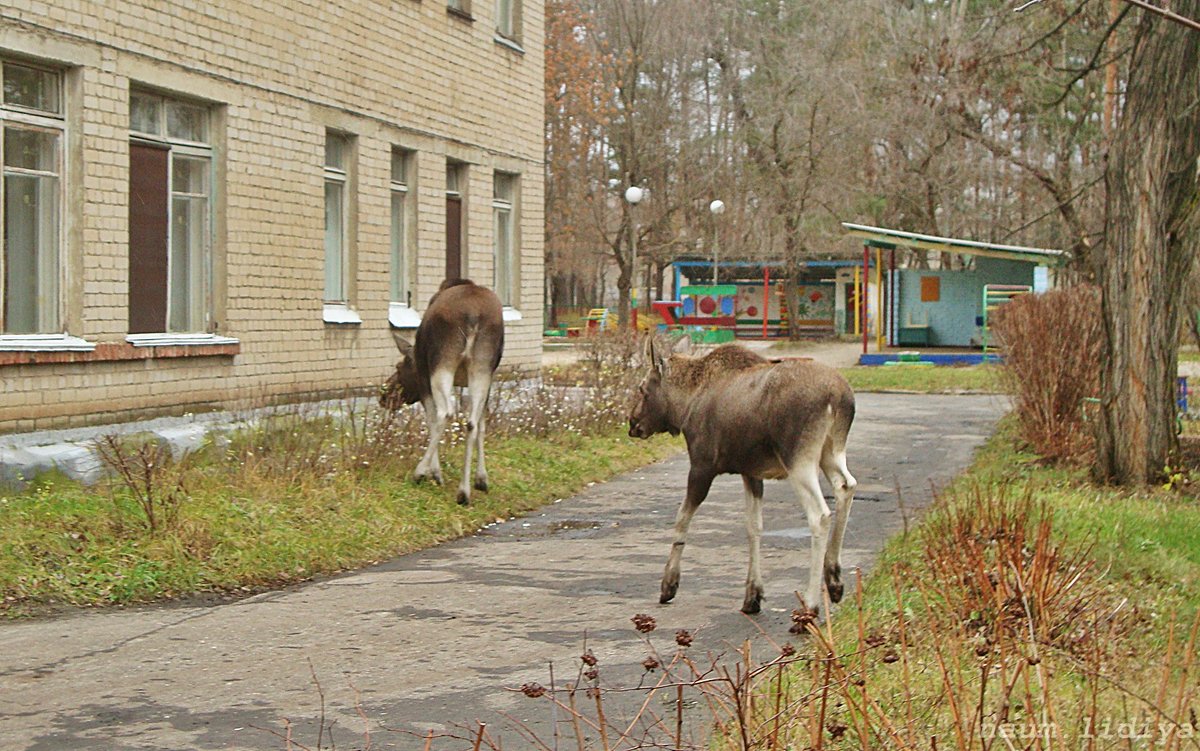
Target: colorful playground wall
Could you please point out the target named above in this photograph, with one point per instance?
(816, 308)
(749, 303)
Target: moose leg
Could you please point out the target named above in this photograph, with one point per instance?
(833, 464)
(803, 477)
(478, 387)
(754, 526)
(697, 490)
(481, 475)
(437, 410)
(485, 392)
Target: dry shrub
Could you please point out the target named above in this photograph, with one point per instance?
(1052, 345)
(998, 574)
(143, 472)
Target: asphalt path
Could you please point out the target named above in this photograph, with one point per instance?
(437, 640)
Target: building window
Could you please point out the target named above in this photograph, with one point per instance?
(31, 115)
(508, 19)
(402, 227)
(337, 148)
(459, 8)
(170, 215)
(504, 191)
(455, 180)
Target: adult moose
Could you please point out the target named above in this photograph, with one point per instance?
(742, 414)
(459, 343)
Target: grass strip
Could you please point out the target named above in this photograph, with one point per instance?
(247, 520)
(929, 379)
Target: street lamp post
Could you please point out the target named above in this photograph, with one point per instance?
(633, 196)
(716, 208)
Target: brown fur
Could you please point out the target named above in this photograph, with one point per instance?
(460, 342)
(742, 414)
(696, 372)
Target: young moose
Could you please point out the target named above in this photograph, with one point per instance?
(742, 414)
(459, 343)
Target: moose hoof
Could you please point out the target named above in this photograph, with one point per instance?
(835, 592)
(463, 499)
(481, 484)
(833, 582)
(754, 598)
(434, 477)
(668, 592)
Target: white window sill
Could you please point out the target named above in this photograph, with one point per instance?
(512, 314)
(178, 340)
(504, 41)
(400, 316)
(339, 313)
(44, 343)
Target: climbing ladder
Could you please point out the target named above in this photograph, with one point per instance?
(996, 296)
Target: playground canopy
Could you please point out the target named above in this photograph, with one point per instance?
(881, 237)
(940, 306)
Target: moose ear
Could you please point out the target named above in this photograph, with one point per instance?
(682, 345)
(655, 357)
(402, 344)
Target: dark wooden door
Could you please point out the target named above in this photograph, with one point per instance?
(148, 167)
(453, 237)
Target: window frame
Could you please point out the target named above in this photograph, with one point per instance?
(457, 181)
(460, 9)
(402, 261)
(198, 332)
(509, 21)
(339, 310)
(506, 247)
(52, 334)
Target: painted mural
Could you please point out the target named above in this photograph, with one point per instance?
(816, 303)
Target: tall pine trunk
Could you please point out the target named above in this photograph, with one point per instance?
(1149, 241)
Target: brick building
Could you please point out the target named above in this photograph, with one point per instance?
(207, 204)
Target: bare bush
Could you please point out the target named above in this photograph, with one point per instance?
(998, 574)
(1052, 345)
(144, 472)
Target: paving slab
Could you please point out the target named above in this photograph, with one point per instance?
(436, 639)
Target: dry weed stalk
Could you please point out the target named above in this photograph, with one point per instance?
(144, 470)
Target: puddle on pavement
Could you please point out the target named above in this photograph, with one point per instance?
(572, 524)
(565, 528)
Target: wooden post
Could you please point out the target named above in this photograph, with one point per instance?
(766, 296)
(894, 298)
(858, 304)
(879, 299)
(863, 300)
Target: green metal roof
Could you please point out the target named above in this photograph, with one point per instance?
(882, 237)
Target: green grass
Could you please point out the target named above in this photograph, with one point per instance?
(246, 523)
(1147, 540)
(926, 379)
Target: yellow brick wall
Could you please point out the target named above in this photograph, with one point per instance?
(278, 74)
